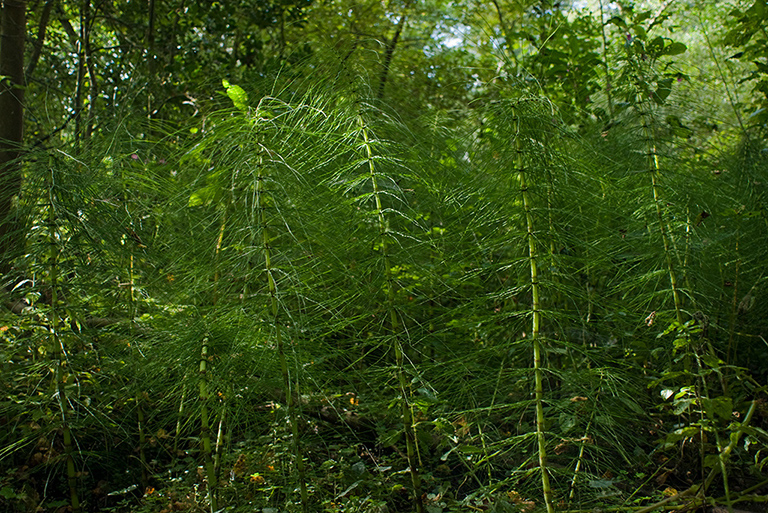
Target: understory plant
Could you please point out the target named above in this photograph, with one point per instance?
(378, 311)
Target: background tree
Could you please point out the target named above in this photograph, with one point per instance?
(12, 88)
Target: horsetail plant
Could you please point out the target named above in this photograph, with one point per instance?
(205, 427)
(683, 331)
(536, 316)
(247, 196)
(666, 238)
(681, 327)
(56, 342)
(139, 395)
(263, 201)
(382, 224)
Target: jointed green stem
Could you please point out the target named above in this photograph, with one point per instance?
(654, 169)
(261, 205)
(180, 412)
(656, 186)
(205, 428)
(58, 353)
(407, 414)
(142, 421)
(535, 330)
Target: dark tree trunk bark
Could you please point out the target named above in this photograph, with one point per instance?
(37, 47)
(388, 53)
(13, 30)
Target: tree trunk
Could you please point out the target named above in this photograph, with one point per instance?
(37, 46)
(13, 29)
(389, 52)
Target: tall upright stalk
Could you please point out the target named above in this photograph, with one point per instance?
(217, 255)
(57, 348)
(655, 172)
(264, 200)
(131, 243)
(179, 419)
(669, 248)
(536, 323)
(142, 422)
(205, 428)
(394, 323)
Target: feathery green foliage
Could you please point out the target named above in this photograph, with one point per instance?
(384, 312)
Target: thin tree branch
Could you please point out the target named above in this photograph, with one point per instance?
(390, 50)
(37, 46)
(54, 132)
(67, 26)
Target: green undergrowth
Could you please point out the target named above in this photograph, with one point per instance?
(310, 301)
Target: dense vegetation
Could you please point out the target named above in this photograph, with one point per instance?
(296, 255)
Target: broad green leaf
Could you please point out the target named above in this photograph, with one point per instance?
(656, 46)
(682, 405)
(679, 434)
(712, 361)
(236, 93)
(663, 91)
(675, 48)
(619, 22)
